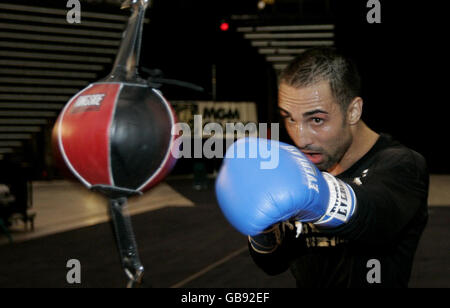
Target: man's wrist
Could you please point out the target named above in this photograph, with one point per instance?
(342, 203)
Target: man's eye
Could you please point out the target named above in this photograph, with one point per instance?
(317, 121)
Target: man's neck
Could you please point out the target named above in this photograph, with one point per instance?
(363, 140)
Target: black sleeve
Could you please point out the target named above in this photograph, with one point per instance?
(393, 193)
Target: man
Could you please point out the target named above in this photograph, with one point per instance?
(378, 185)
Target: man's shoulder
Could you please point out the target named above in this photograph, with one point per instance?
(395, 154)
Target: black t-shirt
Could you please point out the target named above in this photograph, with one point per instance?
(377, 246)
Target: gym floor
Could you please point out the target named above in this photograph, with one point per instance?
(183, 240)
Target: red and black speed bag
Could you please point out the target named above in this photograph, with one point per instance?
(117, 134)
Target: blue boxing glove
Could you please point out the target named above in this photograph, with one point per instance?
(254, 194)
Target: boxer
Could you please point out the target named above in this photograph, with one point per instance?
(341, 200)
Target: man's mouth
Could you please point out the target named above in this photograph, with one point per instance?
(315, 158)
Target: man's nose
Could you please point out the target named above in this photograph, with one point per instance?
(303, 136)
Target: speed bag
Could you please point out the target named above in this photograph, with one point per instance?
(117, 134)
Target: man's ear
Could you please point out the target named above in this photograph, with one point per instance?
(354, 111)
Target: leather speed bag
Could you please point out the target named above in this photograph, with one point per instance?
(117, 134)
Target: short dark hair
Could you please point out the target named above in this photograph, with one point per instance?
(325, 64)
